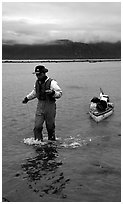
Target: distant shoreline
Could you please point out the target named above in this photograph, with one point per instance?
(59, 61)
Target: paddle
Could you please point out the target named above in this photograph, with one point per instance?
(101, 91)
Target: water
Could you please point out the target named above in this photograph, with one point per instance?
(84, 163)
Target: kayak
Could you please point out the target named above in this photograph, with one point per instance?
(100, 109)
(98, 116)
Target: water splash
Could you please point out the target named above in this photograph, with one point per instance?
(70, 142)
(32, 141)
(75, 141)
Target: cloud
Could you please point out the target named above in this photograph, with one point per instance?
(40, 22)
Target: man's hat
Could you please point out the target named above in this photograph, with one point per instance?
(39, 69)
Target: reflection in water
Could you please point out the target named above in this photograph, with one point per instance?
(42, 172)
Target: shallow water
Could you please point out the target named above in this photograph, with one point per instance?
(84, 162)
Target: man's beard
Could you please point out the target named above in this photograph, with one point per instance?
(43, 79)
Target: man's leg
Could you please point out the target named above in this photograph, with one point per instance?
(50, 121)
(39, 120)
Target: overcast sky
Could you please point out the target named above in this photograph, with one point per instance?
(40, 22)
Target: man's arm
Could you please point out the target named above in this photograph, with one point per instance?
(30, 96)
(57, 90)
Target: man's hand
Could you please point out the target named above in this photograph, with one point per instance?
(50, 92)
(25, 100)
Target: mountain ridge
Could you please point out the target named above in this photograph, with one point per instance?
(62, 49)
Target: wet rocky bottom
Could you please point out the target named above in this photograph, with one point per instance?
(41, 171)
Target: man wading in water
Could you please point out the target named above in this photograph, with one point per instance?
(47, 91)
